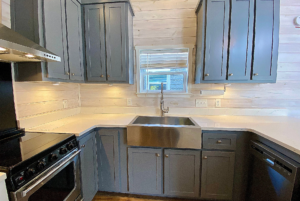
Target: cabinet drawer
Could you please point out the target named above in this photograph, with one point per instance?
(219, 141)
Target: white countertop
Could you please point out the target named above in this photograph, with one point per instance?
(2, 176)
(284, 131)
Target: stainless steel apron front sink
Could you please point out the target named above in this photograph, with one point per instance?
(172, 132)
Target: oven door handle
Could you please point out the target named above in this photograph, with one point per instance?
(24, 193)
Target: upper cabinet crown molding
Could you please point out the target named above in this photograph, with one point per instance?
(237, 41)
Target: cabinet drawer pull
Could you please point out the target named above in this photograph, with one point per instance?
(82, 146)
(157, 155)
(67, 73)
(101, 75)
(205, 157)
(108, 76)
(166, 155)
(206, 75)
(231, 74)
(73, 74)
(255, 74)
(219, 141)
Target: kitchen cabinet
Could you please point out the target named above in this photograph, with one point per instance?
(217, 175)
(109, 42)
(181, 173)
(88, 165)
(145, 170)
(242, 51)
(55, 25)
(108, 160)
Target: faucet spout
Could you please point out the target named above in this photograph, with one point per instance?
(162, 107)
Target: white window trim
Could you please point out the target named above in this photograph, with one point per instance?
(167, 94)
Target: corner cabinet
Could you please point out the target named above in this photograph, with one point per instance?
(237, 41)
(109, 42)
(88, 165)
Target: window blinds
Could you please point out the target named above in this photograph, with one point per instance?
(164, 58)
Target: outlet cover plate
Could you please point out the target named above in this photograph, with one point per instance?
(218, 102)
(129, 101)
(65, 103)
(201, 102)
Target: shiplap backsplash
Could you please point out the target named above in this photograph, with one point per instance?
(165, 22)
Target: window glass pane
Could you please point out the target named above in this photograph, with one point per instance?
(171, 82)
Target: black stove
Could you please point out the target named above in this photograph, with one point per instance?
(24, 158)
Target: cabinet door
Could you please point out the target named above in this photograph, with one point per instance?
(241, 36)
(145, 170)
(88, 163)
(216, 43)
(266, 39)
(217, 175)
(74, 35)
(95, 42)
(55, 40)
(108, 160)
(181, 173)
(116, 37)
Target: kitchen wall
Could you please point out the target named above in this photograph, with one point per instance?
(163, 22)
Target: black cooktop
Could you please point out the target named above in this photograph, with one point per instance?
(15, 151)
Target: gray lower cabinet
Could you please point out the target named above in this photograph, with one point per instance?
(109, 42)
(217, 175)
(181, 172)
(108, 160)
(145, 171)
(88, 164)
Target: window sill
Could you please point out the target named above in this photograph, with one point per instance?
(171, 95)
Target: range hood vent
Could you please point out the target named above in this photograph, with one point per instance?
(16, 48)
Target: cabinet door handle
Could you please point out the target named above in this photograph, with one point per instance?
(255, 74)
(231, 74)
(219, 141)
(82, 146)
(166, 155)
(157, 155)
(206, 75)
(108, 76)
(67, 73)
(72, 74)
(205, 157)
(101, 75)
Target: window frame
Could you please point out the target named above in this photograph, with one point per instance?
(186, 75)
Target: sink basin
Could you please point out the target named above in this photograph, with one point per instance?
(172, 132)
(172, 121)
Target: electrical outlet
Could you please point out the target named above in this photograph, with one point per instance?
(201, 102)
(129, 101)
(218, 102)
(65, 103)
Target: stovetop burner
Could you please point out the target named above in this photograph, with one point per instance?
(25, 157)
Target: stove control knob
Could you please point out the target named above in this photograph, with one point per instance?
(63, 151)
(29, 173)
(53, 157)
(70, 146)
(41, 165)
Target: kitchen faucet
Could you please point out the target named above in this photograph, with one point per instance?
(162, 107)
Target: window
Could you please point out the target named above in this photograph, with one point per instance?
(169, 66)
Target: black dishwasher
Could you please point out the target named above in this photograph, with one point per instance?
(273, 177)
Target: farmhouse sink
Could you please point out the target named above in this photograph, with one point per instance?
(171, 132)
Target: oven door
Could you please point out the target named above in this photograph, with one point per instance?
(60, 183)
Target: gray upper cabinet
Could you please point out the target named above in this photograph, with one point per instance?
(216, 43)
(217, 175)
(108, 160)
(237, 41)
(145, 171)
(181, 172)
(109, 42)
(266, 39)
(95, 43)
(241, 34)
(88, 164)
(74, 36)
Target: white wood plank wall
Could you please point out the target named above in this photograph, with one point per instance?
(164, 22)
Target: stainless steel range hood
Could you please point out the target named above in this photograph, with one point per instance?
(16, 48)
